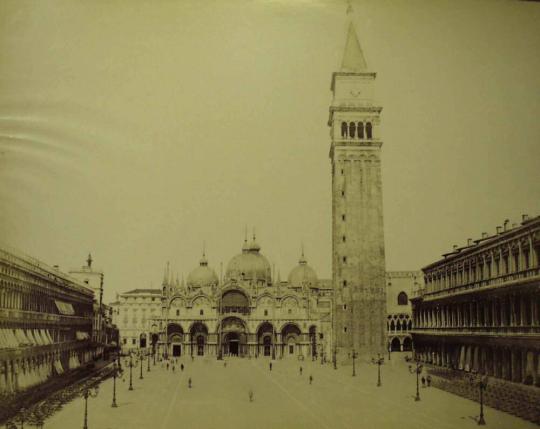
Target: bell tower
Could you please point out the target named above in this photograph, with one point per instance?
(358, 262)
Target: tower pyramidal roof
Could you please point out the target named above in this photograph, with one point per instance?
(353, 57)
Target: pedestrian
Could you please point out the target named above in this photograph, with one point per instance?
(181, 367)
(189, 382)
(423, 381)
(224, 364)
(270, 366)
(428, 380)
(167, 365)
(300, 370)
(173, 368)
(310, 379)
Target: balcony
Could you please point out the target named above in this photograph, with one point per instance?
(491, 283)
(30, 351)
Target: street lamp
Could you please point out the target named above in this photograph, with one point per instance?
(354, 356)
(418, 371)
(148, 358)
(141, 357)
(334, 357)
(130, 372)
(480, 381)
(116, 371)
(91, 392)
(379, 361)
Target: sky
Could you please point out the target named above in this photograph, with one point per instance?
(138, 131)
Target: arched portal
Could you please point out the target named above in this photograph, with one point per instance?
(290, 335)
(265, 339)
(233, 336)
(407, 344)
(175, 339)
(395, 345)
(199, 336)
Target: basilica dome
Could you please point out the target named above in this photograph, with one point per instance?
(203, 276)
(249, 265)
(303, 275)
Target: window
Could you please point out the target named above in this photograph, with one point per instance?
(344, 239)
(266, 312)
(344, 283)
(178, 312)
(133, 341)
(344, 259)
(124, 340)
(289, 311)
(343, 217)
(321, 336)
(344, 129)
(345, 329)
(201, 312)
(352, 130)
(342, 193)
(342, 171)
(360, 130)
(344, 306)
(402, 298)
(368, 130)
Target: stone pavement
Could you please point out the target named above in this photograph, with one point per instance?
(282, 398)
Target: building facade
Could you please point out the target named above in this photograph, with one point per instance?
(480, 312)
(46, 321)
(400, 288)
(358, 259)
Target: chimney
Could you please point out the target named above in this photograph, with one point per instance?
(484, 235)
(506, 222)
(56, 267)
(469, 241)
(499, 229)
(524, 217)
(455, 246)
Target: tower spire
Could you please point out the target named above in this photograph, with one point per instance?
(353, 57)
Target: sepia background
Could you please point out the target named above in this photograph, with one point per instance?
(137, 130)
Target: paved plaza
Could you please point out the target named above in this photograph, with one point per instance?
(282, 398)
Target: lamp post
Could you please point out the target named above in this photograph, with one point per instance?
(334, 357)
(389, 350)
(354, 356)
(91, 392)
(378, 361)
(417, 371)
(116, 370)
(480, 381)
(130, 372)
(148, 358)
(141, 357)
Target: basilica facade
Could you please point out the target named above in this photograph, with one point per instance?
(247, 314)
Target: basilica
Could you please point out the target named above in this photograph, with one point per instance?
(248, 313)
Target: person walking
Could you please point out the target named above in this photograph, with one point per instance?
(310, 379)
(423, 381)
(167, 365)
(189, 382)
(300, 370)
(428, 380)
(181, 367)
(270, 366)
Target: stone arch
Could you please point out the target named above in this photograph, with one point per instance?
(265, 339)
(289, 299)
(235, 301)
(290, 337)
(313, 340)
(233, 332)
(199, 338)
(395, 345)
(407, 344)
(402, 298)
